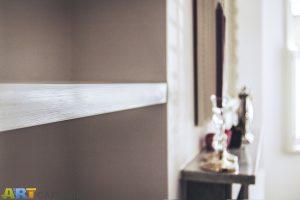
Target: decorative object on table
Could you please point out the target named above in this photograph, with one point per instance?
(220, 160)
(245, 114)
(241, 133)
(236, 137)
(209, 139)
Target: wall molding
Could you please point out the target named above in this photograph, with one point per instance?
(26, 105)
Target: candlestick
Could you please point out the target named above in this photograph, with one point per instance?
(220, 160)
(220, 43)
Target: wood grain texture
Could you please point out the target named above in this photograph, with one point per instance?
(25, 105)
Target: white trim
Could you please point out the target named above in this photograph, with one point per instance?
(25, 105)
(294, 147)
(293, 142)
(295, 7)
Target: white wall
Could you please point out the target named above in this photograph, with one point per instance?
(183, 136)
(283, 177)
(261, 36)
(249, 52)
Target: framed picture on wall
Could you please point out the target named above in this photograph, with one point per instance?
(205, 55)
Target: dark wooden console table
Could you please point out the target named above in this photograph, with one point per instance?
(201, 185)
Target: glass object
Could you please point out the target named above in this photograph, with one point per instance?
(220, 160)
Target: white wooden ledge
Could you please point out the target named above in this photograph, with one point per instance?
(26, 105)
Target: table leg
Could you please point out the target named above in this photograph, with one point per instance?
(184, 190)
(244, 193)
(194, 190)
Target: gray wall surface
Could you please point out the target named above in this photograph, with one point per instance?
(35, 41)
(117, 41)
(121, 155)
(113, 156)
(82, 41)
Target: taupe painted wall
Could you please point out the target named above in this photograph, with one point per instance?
(41, 156)
(117, 41)
(114, 156)
(82, 41)
(35, 41)
(123, 155)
